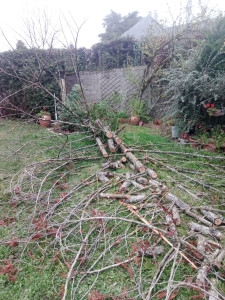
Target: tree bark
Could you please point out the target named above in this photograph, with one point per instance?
(186, 209)
(215, 219)
(205, 230)
(111, 145)
(110, 165)
(138, 198)
(104, 128)
(101, 147)
(152, 173)
(101, 176)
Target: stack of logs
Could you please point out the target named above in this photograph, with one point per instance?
(145, 180)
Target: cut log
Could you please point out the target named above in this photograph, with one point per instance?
(158, 185)
(124, 149)
(201, 279)
(128, 175)
(152, 173)
(201, 243)
(114, 196)
(202, 275)
(123, 159)
(205, 230)
(104, 128)
(117, 140)
(110, 165)
(137, 185)
(172, 231)
(152, 251)
(212, 217)
(101, 176)
(132, 167)
(101, 147)
(176, 215)
(124, 186)
(213, 293)
(219, 259)
(186, 209)
(111, 145)
(120, 164)
(133, 159)
(138, 198)
(142, 180)
(129, 198)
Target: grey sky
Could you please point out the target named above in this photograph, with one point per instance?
(14, 12)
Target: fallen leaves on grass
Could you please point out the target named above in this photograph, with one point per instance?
(7, 221)
(162, 295)
(8, 269)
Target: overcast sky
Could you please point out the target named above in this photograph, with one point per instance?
(14, 12)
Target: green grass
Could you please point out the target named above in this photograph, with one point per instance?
(39, 275)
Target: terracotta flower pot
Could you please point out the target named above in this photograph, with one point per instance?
(124, 120)
(210, 147)
(134, 120)
(195, 144)
(45, 121)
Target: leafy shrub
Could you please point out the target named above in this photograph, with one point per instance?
(196, 80)
(108, 110)
(74, 110)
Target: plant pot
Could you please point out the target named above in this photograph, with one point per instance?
(174, 132)
(45, 121)
(210, 147)
(195, 144)
(134, 120)
(124, 120)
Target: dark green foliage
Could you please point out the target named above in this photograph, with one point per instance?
(197, 80)
(108, 110)
(32, 76)
(116, 54)
(74, 111)
(115, 25)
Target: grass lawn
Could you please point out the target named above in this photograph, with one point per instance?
(48, 184)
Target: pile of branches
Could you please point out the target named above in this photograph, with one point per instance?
(112, 219)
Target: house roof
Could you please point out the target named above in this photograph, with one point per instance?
(144, 27)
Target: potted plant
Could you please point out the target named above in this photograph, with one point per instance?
(44, 118)
(213, 111)
(136, 107)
